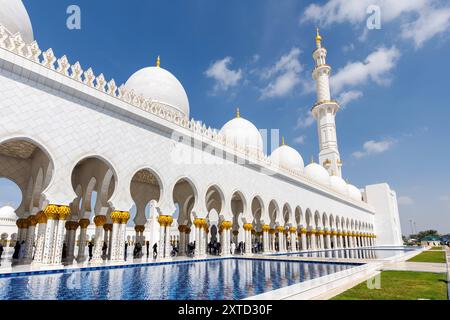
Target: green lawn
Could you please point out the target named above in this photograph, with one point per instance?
(430, 256)
(436, 248)
(401, 285)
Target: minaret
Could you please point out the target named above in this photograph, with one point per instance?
(324, 111)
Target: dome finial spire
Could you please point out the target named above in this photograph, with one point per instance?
(238, 112)
(318, 38)
(283, 142)
(158, 62)
(312, 159)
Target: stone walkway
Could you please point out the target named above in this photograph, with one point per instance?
(416, 267)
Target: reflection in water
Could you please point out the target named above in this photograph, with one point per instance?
(222, 279)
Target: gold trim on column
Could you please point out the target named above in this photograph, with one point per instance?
(32, 221)
(57, 212)
(265, 228)
(165, 221)
(72, 225)
(280, 229)
(100, 221)
(108, 227)
(226, 225)
(139, 228)
(84, 223)
(248, 227)
(41, 217)
(120, 217)
(200, 223)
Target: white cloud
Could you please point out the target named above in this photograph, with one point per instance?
(375, 67)
(420, 20)
(349, 96)
(300, 139)
(430, 23)
(374, 147)
(305, 121)
(224, 76)
(405, 201)
(283, 76)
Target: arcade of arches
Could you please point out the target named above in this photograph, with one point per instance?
(45, 228)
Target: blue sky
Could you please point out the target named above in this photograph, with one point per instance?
(256, 54)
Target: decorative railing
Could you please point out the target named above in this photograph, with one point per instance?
(15, 44)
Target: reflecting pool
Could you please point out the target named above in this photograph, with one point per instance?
(217, 279)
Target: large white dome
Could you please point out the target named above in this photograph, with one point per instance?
(317, 173)
(8, 213)
(354, 192)
(14, 17)
(288, 158)
(338, 184)
(243, 133)
(161, 86)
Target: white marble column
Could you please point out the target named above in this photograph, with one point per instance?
(182, 248)
(99, 221)
(116, 218)
(321, 239)
(293, 232)
(42, 226)
(328, 239)
(335, 240)
(164, 248)
(83, 223)
(54, 233)
(303, 239)
(313, 239)
(71, 231)
(248, 227)
(29, 244)
(59, 238)
(265, 238)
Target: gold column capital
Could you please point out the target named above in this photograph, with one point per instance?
(84, 223)
(57, 212)
(100, 221)
(165, 221)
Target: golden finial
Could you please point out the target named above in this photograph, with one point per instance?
(238, 113)
(158, 61)
(312, 159)
(283, 142)
(318, 38)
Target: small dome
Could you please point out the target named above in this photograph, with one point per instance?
(338, 184)
(8, 213)
(317, 173)
(14, 17)
(354, 192)
(161, 86)
(243, 133)
(288, 158)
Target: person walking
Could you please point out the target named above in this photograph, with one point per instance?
(1, 252)
(16, 250)
(126, 249)
(232, 248)
(90, 247)
(147, 244)
(155, 250)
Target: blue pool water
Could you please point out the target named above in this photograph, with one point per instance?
(370, 254)
(219, 279)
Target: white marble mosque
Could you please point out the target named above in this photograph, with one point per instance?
(116, 163)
